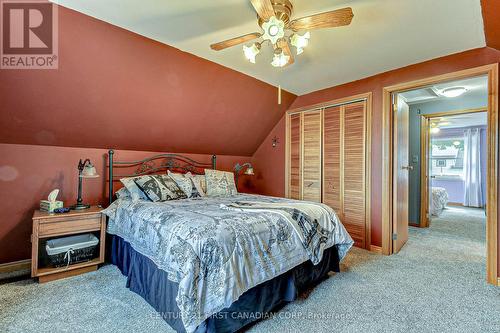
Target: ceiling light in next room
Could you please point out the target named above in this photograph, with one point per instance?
(435, 130)
(453, 92)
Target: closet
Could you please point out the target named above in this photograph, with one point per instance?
(328, 161)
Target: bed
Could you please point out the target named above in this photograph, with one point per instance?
(439, 200)
(217, 264)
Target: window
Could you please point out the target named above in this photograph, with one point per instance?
(447, 157)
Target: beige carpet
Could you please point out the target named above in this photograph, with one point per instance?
(435, 284)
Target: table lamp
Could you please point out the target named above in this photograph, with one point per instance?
(238, 168)
(85, 170)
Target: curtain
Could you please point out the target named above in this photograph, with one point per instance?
(473, 194)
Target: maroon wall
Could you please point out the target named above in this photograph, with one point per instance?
(491, 10)
(269, 163)
(118, 89)
(273, 183)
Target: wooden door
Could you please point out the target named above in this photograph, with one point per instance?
(424, 172)
(294, 162)
(400, 173)
(311, 156)
(332, 191)
(354, 182)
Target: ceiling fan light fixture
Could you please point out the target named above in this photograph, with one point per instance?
(300, 41)
(274, 29)
(251, 52)
(453, 92)
(280, 59)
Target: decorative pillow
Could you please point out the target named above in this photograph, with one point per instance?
(197, 183)
(123, 193)
(220, 183)
(185, 183)
(201, 183)
(160, 188)
(135, 192)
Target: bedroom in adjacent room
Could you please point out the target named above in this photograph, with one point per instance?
(448, 155)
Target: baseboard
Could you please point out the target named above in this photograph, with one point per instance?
(454, 204)
(376, 249)
(14, 266)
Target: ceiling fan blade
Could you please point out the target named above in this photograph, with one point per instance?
(283, 44)
(235, 41)
(335, 18)
(264, 8)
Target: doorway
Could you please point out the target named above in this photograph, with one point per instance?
(454, 161)
(395, 178)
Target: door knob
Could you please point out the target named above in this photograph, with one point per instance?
(408, 167)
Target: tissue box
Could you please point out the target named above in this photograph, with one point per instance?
(49, 206)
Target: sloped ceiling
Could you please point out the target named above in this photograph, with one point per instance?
(384, 34)
(491, 17)
(116, 89)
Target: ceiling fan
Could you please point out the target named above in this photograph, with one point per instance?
(274, 19)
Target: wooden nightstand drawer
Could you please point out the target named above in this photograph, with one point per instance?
(47, 225)
(64, 227)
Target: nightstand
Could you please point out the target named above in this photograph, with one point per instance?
(48, 226)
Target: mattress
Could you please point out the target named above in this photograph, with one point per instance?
(439, 200)
(215, 254)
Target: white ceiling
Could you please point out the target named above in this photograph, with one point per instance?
(384, 34)
(463, 120)
(477, 86)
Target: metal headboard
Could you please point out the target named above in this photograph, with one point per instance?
(154, 164)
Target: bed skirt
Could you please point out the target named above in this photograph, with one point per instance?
(151, 283)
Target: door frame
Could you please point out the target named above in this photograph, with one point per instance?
(492, 176)
(424, 158)
(368, 98)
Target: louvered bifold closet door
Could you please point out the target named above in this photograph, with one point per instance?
(295, 161)
(332, 159)
(311, 156)
(354, 182)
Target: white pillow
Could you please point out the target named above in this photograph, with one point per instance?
(220, 183)
(199, 183)
(186, 184)
(122, 193)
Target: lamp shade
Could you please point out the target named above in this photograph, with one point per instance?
(249, 171)
(89, 171)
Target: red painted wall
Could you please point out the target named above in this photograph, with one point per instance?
(118, 89)
(491, 12)
(272, 178)
(269, 163)
(29, 172)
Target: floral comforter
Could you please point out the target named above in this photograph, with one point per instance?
(216, 254)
